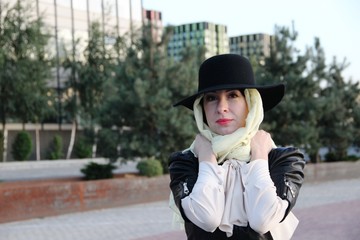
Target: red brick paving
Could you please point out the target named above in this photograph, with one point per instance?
(178, 235)
(337, 221)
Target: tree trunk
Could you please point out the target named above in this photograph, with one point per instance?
(72, 139)
(94, 147)
(37, 139)
(5, 138)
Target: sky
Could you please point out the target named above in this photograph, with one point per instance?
(335, 22)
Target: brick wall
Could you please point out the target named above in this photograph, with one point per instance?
(331, 171)
(31, 199)
(25, 200)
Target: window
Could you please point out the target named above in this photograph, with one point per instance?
(206, 25)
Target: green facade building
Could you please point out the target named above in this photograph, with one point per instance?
(202, 34)
(251, 45)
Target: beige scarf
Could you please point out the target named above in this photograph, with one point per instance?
(237, 144)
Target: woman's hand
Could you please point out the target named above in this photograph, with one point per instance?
(261, 144)
(203, 149)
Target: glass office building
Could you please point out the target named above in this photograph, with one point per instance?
(202, 34)
(251, 45)
(68, 22)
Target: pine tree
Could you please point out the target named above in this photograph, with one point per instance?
(294, 120)
(93, 74)
(319, 108)
(357, 122)
(338, 121)
(24, 65)
(146, 85)
(90, 72)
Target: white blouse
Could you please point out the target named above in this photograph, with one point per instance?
(238, 193)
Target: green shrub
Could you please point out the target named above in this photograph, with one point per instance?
(56, 148)
(95, 171)
(82, 148)
(22, 146)
(331, 157)
(150, 167)
(352, 158)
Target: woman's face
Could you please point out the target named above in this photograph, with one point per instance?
(225, 111)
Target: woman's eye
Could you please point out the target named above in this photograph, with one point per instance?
(209, 98)
(233, 95)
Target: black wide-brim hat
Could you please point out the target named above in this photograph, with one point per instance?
(232, 71)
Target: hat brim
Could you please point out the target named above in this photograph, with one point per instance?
(271, 95)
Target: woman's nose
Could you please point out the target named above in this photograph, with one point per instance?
(222, 105)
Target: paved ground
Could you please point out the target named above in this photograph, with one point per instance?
(327, 210)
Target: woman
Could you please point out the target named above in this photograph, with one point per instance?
(233, 182)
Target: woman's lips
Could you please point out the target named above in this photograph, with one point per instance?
(223, 121)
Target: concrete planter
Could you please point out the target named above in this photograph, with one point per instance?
(35, 199)
(26, 199)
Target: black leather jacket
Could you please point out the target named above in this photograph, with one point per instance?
(286, 170)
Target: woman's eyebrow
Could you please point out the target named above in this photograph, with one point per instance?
(226, 91)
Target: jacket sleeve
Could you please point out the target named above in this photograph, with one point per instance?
(286, 167)
(183, 169)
